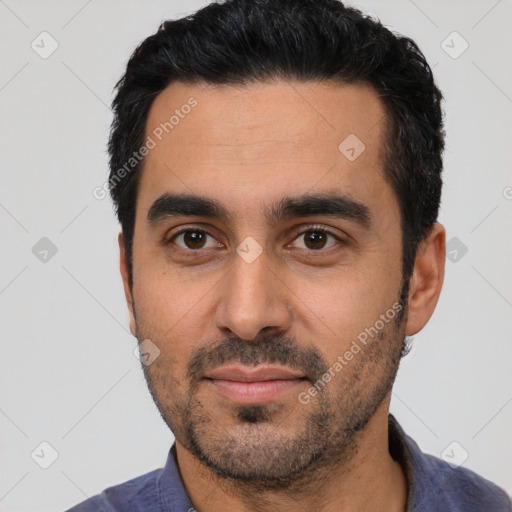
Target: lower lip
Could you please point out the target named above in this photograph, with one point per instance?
(254, 392)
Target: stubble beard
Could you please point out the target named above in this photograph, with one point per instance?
(261, 448)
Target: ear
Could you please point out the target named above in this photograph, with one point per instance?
(426, 280)
(123, 265)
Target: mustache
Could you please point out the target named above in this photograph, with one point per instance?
(268, 349)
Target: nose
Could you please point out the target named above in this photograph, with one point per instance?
(253, 298)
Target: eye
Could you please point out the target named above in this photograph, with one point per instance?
(192, 239)
(316, 238)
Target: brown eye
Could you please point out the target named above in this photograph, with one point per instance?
(192, 239)
(316, 239)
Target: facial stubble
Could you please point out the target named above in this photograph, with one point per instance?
(280, 444)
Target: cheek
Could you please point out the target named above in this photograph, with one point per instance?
(172, 310)
(161, 293)
(340, 307)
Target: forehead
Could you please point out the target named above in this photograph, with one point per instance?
(251, 145)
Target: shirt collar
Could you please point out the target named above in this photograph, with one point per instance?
(418, 470)
(170, 487)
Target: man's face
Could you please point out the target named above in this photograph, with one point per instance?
(254, 290)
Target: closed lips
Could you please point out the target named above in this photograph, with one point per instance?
(239, 374)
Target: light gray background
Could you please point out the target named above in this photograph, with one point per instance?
(68, 373)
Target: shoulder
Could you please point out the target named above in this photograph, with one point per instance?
(136, 494)
(435, 485)
(456, 489)
(462, 489)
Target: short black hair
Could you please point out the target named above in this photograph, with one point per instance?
(245, 41)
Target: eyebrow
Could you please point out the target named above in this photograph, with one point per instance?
(171, 205)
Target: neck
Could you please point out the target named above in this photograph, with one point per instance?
(367, 479)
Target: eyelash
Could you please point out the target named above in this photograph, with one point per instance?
(313, 228)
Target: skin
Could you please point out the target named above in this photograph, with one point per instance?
(262, 142)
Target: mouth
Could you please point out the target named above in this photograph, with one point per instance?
(259, 385)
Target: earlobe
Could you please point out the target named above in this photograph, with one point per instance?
(125, 275)
(426, 280)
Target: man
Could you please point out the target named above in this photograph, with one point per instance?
(276, 170)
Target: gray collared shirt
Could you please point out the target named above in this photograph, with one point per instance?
(433, 486)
